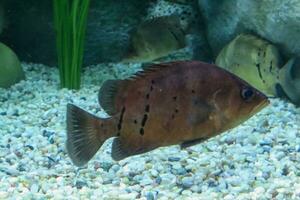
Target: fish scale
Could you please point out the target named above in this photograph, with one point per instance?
(183, 102)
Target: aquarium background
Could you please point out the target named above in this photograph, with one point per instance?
(259, 159)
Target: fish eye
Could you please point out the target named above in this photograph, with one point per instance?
(247, 94)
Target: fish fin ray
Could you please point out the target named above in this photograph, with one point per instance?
(120, 151)
(117, 151)
(107, 95)
(82, 135)
(151, 67)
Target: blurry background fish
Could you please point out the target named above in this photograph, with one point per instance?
(155, 38)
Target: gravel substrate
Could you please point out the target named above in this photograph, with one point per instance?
(257, 160)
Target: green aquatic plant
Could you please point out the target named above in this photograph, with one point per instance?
(70, 19)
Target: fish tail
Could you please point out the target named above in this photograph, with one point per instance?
(84, 134)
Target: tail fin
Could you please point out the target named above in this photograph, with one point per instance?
(83, 137)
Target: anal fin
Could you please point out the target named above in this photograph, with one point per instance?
(120, 151)
(190, 143)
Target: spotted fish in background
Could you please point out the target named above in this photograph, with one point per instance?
(254, 60)
(289, 80)
(155, 38)
(184, 102)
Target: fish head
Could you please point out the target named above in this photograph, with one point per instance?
(240, 101)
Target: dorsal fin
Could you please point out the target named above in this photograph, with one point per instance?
(107, 95)
(150, 67)
(110, 88)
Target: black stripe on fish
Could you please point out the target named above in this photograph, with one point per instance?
(271, 66)
(144, 120)
(120, 121)
(259, 72)
(147, 96)
(174, 35)
(142, 131)
(147, 110)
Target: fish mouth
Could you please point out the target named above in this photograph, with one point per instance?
(261, 105)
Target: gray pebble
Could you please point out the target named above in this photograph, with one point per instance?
(173, 159)
(80, 184)
(150, 196)
(10, 171)
(106, 165)
(180, 171)
(187, 182)
(158, 180)
(115, 168)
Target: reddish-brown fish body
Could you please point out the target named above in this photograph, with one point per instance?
(182, 102)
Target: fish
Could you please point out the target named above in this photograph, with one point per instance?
(155, 38)
(289, 80)
(253, 59)
(175, 103)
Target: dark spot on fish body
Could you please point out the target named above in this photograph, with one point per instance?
(193, 91)
(174, 35)
(147, 96)
(176, 110)
(151, 88)
(142, 131)
(147, 109)
(259, 71)
(271, 66)
(144, 120)
(173, 116)
(135, 121)
(264, 53)
(259, 50)
(175, 98)
(152, 82)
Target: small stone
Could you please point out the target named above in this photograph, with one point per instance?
(115, 168)
(279, 155)
(34, 188)
(10, 171)
(150, 196)
(179, 171)
(173, 159)
(154, 172)
(285, 171)
(158, 180)
(146, 180)
(106, 166)
(187, 182)
(80, 184)
(265, 142)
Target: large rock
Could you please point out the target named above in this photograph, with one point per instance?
(277, 21)
(30, 29)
